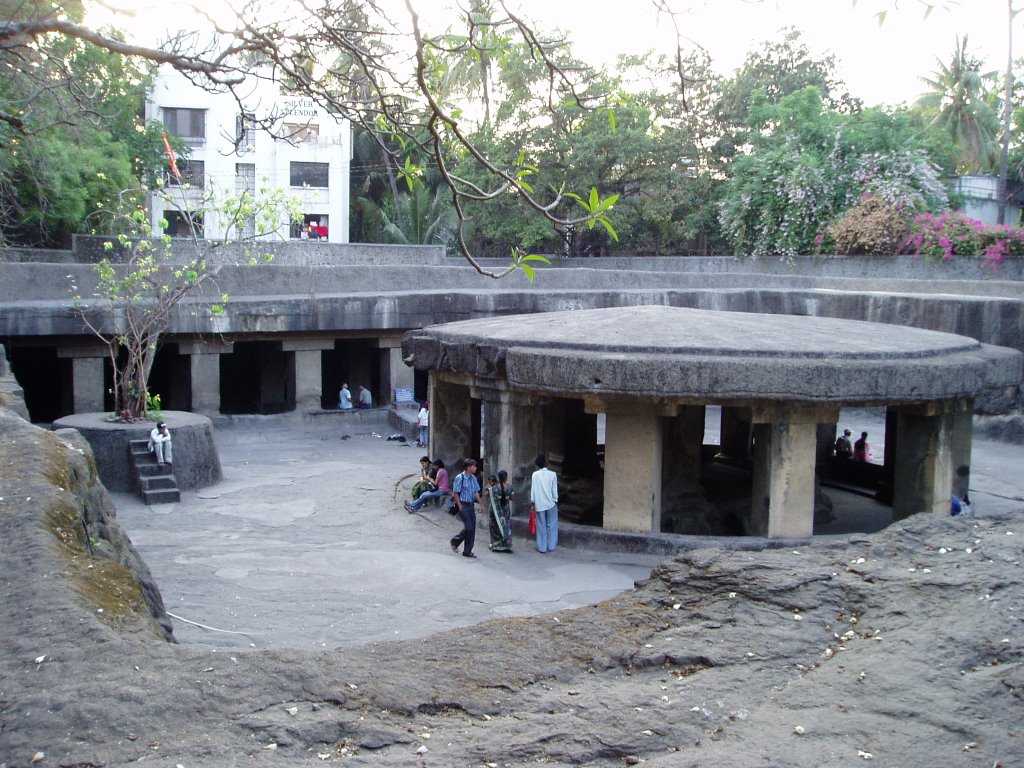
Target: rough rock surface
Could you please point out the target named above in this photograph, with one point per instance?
(906, 646)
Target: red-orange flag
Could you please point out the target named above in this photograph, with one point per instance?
(172, 162)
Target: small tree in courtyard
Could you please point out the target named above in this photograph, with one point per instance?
(143, 279)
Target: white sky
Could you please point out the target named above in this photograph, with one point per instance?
(881, 63)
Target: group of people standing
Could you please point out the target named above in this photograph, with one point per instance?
(365, 398)
(465, 492)
(858, 451)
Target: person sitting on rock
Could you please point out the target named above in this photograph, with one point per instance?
(160, 444)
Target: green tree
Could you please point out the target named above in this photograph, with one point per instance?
(957, 101)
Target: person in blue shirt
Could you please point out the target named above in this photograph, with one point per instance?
(345, 398)
(465, 494)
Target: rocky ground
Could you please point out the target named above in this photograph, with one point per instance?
(903, 648)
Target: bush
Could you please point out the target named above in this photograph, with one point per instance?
(953, 234)
(872, 227)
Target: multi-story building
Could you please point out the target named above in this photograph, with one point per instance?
(306, 155)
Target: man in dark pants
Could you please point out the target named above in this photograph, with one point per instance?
(466, 493)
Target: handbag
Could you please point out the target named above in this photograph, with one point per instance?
(533, 522)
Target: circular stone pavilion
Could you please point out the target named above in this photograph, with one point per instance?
(536, 382)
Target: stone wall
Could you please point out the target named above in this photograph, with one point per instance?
(897, 267)
(45, 255)
(89, 249)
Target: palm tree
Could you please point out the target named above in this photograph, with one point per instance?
(957, 98)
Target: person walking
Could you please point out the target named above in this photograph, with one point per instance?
(544, 503)
(441, 489)
(160, 444)
(499, 497)
(423, 421)
(465, 494)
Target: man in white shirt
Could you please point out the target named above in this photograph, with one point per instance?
(160, 444)
(365, 398)
(345, 398)
(423, 421)
(544, 502)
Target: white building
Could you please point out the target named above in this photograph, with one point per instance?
(228, 155)
(981, 199)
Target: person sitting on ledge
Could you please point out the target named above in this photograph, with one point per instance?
(345, 398)
(365, 398)
(441, 489)
(160, 444)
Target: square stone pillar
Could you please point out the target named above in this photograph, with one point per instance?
(401, 376)
(308, 379)
(924, 460)
(451, 425)
(963, 438)
(87, 384)
(205, 372)
(782, 496)
(513, 433)
(633, 458)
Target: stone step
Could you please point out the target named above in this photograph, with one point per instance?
(148, 469)
(141, 444)
(161, 496)
(158, 482)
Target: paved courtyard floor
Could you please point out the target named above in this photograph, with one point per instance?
(305, 543)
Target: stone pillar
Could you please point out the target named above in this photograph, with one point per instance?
(963, 436)
(87, 384)
(204, 370)
(633, 462)
(892, 428)
(308, 379)
(735, 433)
(401, 375)
(309, 372)
(782, 498)
(450, 421)
(206, 383)
(512, 435)
(924, 460)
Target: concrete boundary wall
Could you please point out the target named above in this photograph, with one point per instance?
(881, 267)
(52, 282)
(88, 249)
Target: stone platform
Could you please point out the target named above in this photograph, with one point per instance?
(527, 384)
(196, 462)
(673, 352)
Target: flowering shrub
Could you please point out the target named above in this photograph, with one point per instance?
(950, 234)
(873, 227)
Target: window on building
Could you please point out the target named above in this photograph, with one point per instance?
(300, 133)
(187, 124)
(193, 173)
(312, 226)
(245, 132)
(178, 223)
(310, 174)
